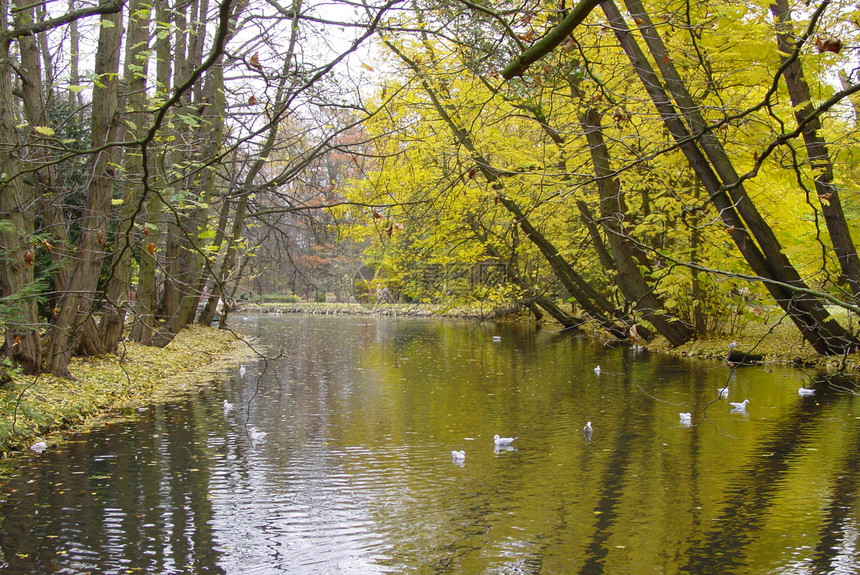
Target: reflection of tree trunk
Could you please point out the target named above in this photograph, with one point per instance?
(77, 302)
(754, 238)
(613, 211)
(819, 158)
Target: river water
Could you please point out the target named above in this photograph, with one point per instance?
(355, 473)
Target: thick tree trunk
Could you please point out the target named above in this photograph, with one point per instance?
(146, 307)
(819, 158)
(18, 199)
(613, 211)
(134, 73)
(79, 297)
(750, 232)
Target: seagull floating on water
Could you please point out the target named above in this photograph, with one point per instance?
(597, 370)
(458, 455)
(686, 418)
(242, 371)
(587, 431)
(228, 406)
(723, 391)
(503, 440)
(742, 406)
(497, 338)
(39, 447)
(256, 435)
(805, 392)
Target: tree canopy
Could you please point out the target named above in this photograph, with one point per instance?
(658, 168)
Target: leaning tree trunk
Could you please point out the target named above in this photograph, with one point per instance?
(819, 158)
(77, 301)
(531, 294)
(754, 238)
(629, 279)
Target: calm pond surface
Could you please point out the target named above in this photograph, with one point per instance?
(355, 474)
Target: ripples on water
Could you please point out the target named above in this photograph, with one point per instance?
(355, 474)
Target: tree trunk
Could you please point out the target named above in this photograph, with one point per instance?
(78, 299)
(531, 294)
(819, 158)
(146, 307)
(613, 211)
(134, 73)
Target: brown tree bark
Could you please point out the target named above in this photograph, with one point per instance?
(816, 149)
(613, 211)
(77, 302)
(17, 200)
(135, 69)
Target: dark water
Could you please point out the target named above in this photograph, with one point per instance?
(355, 474)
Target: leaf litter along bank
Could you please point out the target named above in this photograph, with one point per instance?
(33, 407)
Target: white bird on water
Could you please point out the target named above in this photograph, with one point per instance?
(242, 371)
(723, 391)
(497, 338)
(256, 435)
(742, 406)
(686, 418)
(597, 370)
(39, 446)
(805, 392)
(458, 455)
(228, 406)
(503, 440)
(587, 431)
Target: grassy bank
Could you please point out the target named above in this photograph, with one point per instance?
(33, 407)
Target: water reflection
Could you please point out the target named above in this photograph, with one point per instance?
(355, 473)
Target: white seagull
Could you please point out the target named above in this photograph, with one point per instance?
(256, 435)
(503, 440)
(39, 446)
(805, 392)
(242, 371)
(228, 406)
(587, 431)
(597, 370)
(686, 418)
(497, 338)
(458, 455)
(742, 406)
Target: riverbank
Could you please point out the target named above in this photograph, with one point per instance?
(777, 342)
(34, 408)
